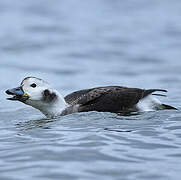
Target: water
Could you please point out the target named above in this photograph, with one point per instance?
(82, 44)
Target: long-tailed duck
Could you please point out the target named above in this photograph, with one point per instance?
(117, 99)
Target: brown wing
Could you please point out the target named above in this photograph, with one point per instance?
(108, 99)
(73, 97)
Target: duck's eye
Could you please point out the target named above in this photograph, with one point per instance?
(33, 85)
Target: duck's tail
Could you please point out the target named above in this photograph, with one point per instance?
(165, 106)
(161, 106)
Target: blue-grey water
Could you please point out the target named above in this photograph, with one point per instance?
(82, 44)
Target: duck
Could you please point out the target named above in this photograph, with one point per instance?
(39, 94)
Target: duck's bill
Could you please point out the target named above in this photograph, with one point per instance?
(17, 94)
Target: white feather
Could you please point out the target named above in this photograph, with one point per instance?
(50, 109)
(149, 103)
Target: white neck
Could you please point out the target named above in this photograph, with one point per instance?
(54, 109)
(51, 109)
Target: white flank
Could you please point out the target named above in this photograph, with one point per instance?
(149, 103)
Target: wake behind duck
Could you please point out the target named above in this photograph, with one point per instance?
(117, 99)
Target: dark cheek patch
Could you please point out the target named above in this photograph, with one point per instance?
(48, 96)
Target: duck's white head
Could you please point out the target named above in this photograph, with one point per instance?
(39, 94)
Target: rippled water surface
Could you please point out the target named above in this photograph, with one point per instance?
(82, 44)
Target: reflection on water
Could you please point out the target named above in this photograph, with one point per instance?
(32, 124)
(82, 44)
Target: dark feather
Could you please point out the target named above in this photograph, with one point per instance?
(109, 99)
(150, 91)
(70, 98)
(48, 96)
